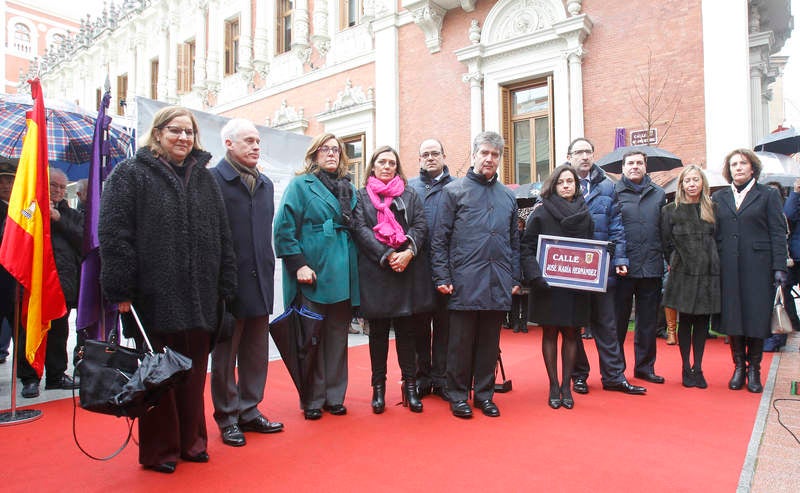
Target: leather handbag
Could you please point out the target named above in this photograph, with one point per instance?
(105, 367)
(780, 323)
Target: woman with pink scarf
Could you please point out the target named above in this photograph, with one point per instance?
(390, 230)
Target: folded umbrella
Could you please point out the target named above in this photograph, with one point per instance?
(296, 333)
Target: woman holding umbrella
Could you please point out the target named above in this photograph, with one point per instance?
(692, 288)
(312, 236)
(751, 238)
(390, 229)
(562, 212)
(167, 249)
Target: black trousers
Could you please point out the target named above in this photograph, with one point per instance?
(647, 291)
(55, 359)
(404, 328)
(472, 352)
(604, 328)
(431, 339)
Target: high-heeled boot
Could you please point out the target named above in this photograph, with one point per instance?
(738, 355)
(378, 398)
(671, 316)
(755, 350)
(410, 396)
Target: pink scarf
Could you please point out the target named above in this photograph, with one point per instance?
(388, 230)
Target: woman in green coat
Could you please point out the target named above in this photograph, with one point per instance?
(320, 270)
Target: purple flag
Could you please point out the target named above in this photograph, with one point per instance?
(90, 298)
(619, 138)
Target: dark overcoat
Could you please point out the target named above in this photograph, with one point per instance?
(165, 243)
(250, 218)
(691, 252)
(67, 239)
(553, 307)
(476, 244)
(384, 292)
(752, 245)
(641, 220)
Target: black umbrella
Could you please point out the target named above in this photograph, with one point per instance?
(296, 333)
(657, 159)
(528, 194)
(783, 142)
(157, 373)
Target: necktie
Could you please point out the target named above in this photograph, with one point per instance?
(584, 187)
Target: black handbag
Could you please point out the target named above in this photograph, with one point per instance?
(104, 368)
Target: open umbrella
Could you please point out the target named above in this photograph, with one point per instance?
(296, 333)
(783, 142)
(70, 133)
(715, 182)
(527, 194)
(778, 168)
(657, 159)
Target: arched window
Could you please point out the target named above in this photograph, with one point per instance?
(22, 38)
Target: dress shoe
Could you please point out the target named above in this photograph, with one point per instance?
(625, 387)
(260, 424)
(335, 409)
(650, 377)
(567, 402)
(65, 382)
(232, 435)
(30, 390)
(688, 378)
(378, 398)
(488, 408)
(461, 409)
(201, 457)
(700, 380)
(312, 414)
(165, 467)
(554, 400)
(580, 386)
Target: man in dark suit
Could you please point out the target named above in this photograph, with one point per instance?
(432, 351)
(249, 201)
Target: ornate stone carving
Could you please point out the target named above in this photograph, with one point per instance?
(474, 32)
(320, 37)
(472, 78)
(350, 96)
(429, 17)
(574, 6)
(519, 17)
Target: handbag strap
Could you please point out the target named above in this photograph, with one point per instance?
(149, 347)
(778, 297)
(80, 447)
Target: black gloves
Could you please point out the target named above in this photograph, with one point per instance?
(540, 283)
(611, 248)
(781, 278)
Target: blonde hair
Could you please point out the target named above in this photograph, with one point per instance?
(311, 165)
(706, 206)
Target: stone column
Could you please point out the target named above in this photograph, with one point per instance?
(475, 81)
(200, 16)
(387, 94)
(245, 67)
(215, 41)
(756, 117)
(574, 61)
(261, 40)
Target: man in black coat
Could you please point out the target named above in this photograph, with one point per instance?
(475, 260)
(249, 202)
(640, 201)
(66, 231)
(432, 351)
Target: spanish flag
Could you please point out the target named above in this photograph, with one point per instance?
(27, 251)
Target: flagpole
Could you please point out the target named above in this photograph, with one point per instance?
(14, 416)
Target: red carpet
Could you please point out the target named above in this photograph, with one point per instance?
(673, 439)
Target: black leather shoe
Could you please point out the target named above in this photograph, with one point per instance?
(488, 408)
(30, 390)
(232, 435)
(461, 409)
(166, 467)
(567, 402)
(201, 457)
(335, 409)
(625, 387)
(260, 424)
(312, 414)
(650, 377)
(580, 386)
(65, 382)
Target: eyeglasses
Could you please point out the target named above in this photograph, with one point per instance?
(58, 187)
(177, 131)
(327, 149)
(426, 155)
(582, 151)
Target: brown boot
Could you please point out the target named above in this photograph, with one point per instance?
(671, 316)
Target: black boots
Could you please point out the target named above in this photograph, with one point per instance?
(738, 354)
(378, 398)
(410, 395)
(755, 350)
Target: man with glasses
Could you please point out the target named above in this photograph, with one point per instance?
(432, 351)
(66, 232)
(598, 192)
